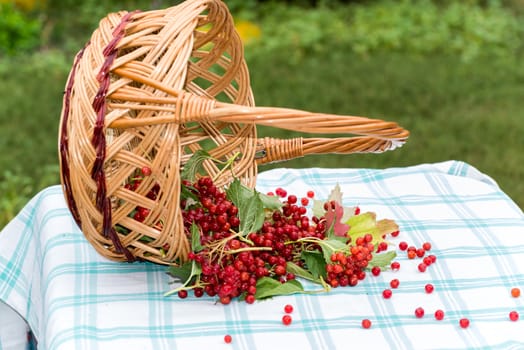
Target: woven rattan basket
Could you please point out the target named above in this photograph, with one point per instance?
(149, 90)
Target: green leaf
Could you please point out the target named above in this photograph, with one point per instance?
(271, 202)
(251, 214)
(186, 272)
(237, 193)
(182, 272)
(189, 196)
(330, 246)
(315, 263)
(300, 272)
(196, 269)
(383, 259)
(196, 246)
(250, 206)
(363, 224)
(194, 164)
(367, 223)
(268, 287)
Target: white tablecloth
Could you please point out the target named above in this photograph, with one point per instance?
(13, 329)
(72, 298)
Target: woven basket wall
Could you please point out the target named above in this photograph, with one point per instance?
(149, 90)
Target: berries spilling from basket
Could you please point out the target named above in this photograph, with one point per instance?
(251, 246)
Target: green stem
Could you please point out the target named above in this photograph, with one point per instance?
(245, 249)
(227, 164)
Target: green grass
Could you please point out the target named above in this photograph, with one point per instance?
(470, 112)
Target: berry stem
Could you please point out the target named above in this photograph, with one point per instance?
(227, 164)
(247, 249)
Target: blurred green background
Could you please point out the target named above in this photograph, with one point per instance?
(451, 72)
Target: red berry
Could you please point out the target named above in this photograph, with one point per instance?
(357, 210)
(395, 266)
(386, 293)
(366, 323)
(514, 315)
(304, 201)
(225, 300)
(146, 171)
(427, 260)
(433, 258)
(310, 194)
(426, 246)
(228, 339)
(403, 245)
(382, 246)
(280, 270)
(420, 252)
(288, 308)
(286, 320)
(411, 254)
(429, 288)
(375, 271)
(250, 299)
(292, 199)
(182, 294)
(394, 283)
(395, 233)
(464, 323)
(422, 267)
(515, 292)
(439, 315)
(419, 312)
(138, 216)
(281, 192)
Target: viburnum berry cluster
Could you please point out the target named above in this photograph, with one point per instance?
(251, 246)
(346, 270)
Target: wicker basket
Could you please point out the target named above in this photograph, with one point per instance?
(149, 90)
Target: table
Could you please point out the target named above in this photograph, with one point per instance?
(72, 298)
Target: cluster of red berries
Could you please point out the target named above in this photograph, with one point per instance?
(215, 216)
(414, 252)
(231, 263)
(286, 225)
(348, 270)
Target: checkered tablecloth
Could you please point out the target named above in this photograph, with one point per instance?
(73, 298)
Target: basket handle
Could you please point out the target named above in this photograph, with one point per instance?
(191, 108)
(375, 135)
(270, 150)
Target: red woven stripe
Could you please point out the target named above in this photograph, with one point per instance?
(98, 140)
(64, 140)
